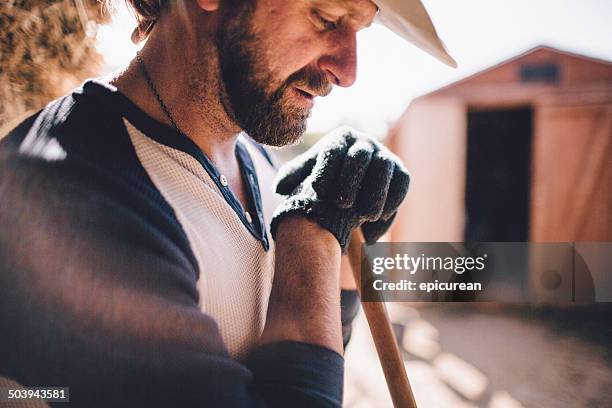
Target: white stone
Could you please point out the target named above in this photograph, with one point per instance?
(501, 399)
(421, 339)
(400, 314)
(429, 391)
(461, 376)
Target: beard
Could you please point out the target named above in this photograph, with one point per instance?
(250, 93)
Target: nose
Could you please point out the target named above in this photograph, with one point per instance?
(340, 62)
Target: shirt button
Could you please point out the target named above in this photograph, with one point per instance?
(248, 217)
(223, 180)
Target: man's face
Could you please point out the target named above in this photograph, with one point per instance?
(276, 56)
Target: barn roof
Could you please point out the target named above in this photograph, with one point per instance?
(539, 66)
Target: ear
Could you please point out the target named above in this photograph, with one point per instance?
(208, 5)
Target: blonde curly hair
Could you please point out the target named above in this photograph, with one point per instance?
(47, 47)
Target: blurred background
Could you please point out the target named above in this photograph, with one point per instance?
(514, 145)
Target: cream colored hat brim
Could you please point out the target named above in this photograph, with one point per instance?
(409, 20)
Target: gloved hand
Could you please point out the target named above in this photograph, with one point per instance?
(344, 181)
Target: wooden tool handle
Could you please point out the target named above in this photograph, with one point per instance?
(382, 332)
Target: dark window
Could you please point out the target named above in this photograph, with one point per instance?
(547, 72)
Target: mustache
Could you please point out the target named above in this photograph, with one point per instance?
(311, 79)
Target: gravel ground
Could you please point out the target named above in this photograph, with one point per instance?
(487, 355)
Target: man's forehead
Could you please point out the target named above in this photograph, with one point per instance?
(362, 11)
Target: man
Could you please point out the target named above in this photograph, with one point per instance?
(136, 263)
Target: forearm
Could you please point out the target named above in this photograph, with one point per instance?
(305, 303)
(347, 280)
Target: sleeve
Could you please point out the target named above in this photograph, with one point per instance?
(95, 297)
(349, 303)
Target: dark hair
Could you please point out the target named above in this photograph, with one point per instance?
(146, 12)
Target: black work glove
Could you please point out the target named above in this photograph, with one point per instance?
(344, 181)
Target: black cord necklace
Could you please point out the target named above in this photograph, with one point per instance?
(153, 89)
(162, 105)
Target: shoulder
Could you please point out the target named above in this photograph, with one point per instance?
(80, 125)
(79, 137)
(78, 146)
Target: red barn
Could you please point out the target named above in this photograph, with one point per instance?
(521, 151)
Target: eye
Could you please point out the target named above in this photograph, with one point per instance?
(324, 22)
(329, 25)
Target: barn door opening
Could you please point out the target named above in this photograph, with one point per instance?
(498, 174)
